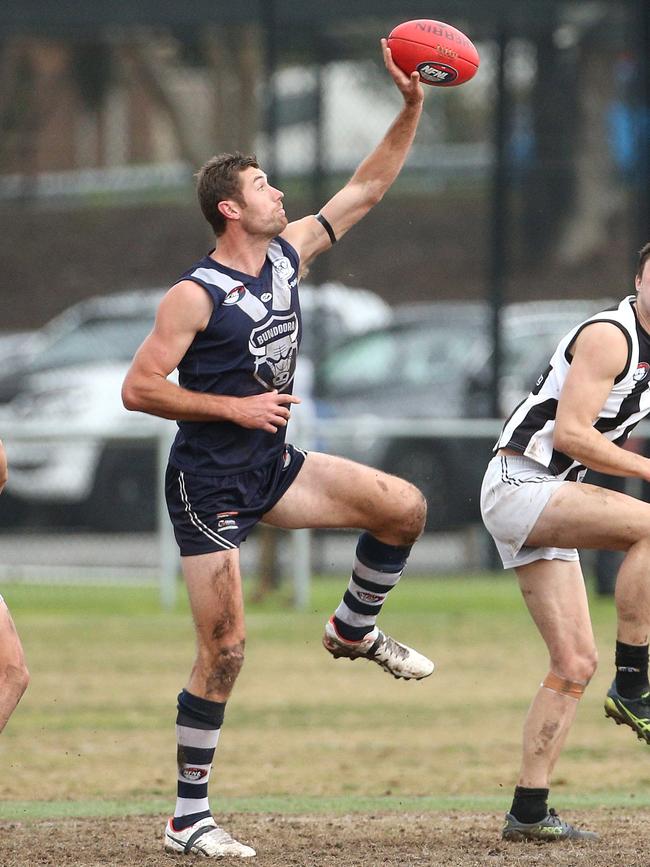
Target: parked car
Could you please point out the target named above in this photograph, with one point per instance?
(70, 381)
(15, 346)
(434, 361)
(67, 379)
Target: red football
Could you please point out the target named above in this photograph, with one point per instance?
(442, 55)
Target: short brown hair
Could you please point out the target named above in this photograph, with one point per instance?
(218, 180)
(644, 255)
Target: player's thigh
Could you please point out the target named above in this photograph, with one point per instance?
(330, 491)
(11, 650)
(586, 516)
(214, 589)
(555, 594)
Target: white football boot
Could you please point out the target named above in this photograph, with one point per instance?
(393, 656)
(205, 838)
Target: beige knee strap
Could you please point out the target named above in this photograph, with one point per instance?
(563, 686)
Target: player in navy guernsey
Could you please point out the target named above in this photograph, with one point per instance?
(582, 409)
(248, 347)
(231, 325)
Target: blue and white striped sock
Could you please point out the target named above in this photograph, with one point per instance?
(377, 569)
(198, 725)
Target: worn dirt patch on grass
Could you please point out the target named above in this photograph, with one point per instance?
(360, 840)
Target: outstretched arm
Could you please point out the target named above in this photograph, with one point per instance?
(183, 312)
(373, 177)
(599, 355)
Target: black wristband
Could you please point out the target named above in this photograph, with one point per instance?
(325, 224)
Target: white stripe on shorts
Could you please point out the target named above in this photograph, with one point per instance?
(200, 526)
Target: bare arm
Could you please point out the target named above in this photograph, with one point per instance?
(184, 311)
(599, 355)
(373, 177)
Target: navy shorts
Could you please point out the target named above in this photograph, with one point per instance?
(217, 513)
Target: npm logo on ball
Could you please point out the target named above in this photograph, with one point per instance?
(442, 55)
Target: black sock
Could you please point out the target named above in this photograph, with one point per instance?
(529, 805)
(631, 669)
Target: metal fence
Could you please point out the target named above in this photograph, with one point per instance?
(55, 552)
(43, 546)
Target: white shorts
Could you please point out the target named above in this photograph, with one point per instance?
(514, 494)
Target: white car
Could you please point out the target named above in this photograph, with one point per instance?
(75, 454)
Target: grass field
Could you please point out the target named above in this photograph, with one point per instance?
(94, 735)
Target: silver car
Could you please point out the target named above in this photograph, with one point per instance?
(433, 361)
(76, 455)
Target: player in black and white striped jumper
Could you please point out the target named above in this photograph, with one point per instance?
(232, 327)
(533, 501)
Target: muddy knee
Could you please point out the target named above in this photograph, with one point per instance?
(223, 667)
(413, 513)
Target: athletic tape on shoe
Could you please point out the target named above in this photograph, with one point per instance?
(565, 687)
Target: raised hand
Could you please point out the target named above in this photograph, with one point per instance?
(409, 86)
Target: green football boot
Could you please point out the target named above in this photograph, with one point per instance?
(632, 712)
(549, 830)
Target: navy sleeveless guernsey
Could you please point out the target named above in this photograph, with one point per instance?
(250, 346)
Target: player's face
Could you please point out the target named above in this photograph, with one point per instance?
(263, 213)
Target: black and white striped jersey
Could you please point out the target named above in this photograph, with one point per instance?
(530, 428)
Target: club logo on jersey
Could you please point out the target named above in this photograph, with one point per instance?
(284, 267)
(275, 346)
(266, 297)
(234, 295)
(193, 774)
(641, 372)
